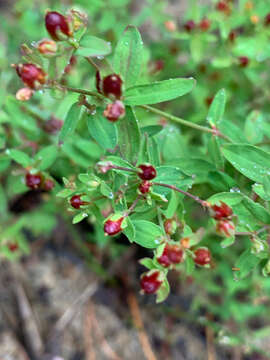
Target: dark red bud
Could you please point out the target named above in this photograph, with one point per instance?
(221, 211)
(13, 247)
(205, 24)
(190, 25)
(170, 226)
(144, 187)
(202, 256)
(33, 181)
(164, 259)
(150, 283)
(147, 172)
(57, 24)
(267, 20)
(114, 111)
(31, 75)
(112, 86)
(243, 61)
(225, 228)
(76, 202)
(113, 227)
(48, 184)
(175, 254)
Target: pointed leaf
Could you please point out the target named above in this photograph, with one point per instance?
(70, 122)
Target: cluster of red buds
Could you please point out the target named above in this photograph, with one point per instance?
(38, 182)
(203, 25)
(223, 214)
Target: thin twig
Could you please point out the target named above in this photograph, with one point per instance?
(172, 187)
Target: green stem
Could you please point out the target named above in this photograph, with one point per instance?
(84, 92)
(184, 122)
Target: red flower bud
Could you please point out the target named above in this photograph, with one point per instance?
(147, 172)
(144, 187)
(190, 25)
(13, 247)
(232, 36)
(32, 75)
(114, 111)
(76, 202)
(175, 254)
(222, 6)
(48, 185)
(225, 228)
(202, 256)
(47, 47)
(208, 101)
(113, 227)
(170, 226)
(53, 125)
(150, 282)
(112, 86)
(267, 20)
(164, 259)
(205, 24)
(33, 181)
(57, 26)
(221, 211)
(243, 61)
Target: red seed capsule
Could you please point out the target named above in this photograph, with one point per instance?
(164, 259)
(225, 228)
(57, 25)
(33, 181)
(13, 247)
(113, 227)
(267, 20)
(144, 187)
(147, 172)
(202, 256)
(175, 254)
(32, 75)
(243, 61)
(170, 226)
(76, 202)
(221, 211)
(112, 86)
(190, 25)
(48, 185)
(150, 282)
(205, 24)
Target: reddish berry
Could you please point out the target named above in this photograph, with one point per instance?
(267, 20)
(225, 228)
(147, 172)
(114, 111)
(202, 256)
(175, 254)
(32, 75)
(190, 25)
(243, 61)
(144, 187)
(170, 226)
(76, 202)
(222, 6)
(113, 227)
(205, 24)
(24, 94)
(47, 47)
(164, 259)
(48, 184)
(33, 181)
(208, 101)
(13, 247)
(53, 125)
(150, 282)
(57, 25)
(221, 211)
(112, 86)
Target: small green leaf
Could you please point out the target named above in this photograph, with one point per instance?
(249, 160)
(147, 234)
(93, 46)
(215, 153)
(257, 210)
(227, 242)
(46, 157)
(129, 230)
(128, 56)
(103, 131)
(217, 108)
(79, 217)
(159, 91)
(190, 265)
(172, 206)
(70, 122)
(129, 136)
(20, 157)
(253, 128)
(163, 291)
(246, 263)
(148, 263)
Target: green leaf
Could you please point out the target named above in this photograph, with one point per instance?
(102, 130)
(147, 234)
(217, 108)
(79, 217)
(253, 130)
(151, 130)
(172, 176)
(257, 210)
(260, 190)
(190, 265)
(93, 46)
(148, 263)
(227, 242)
(128, 56)
(173, 205)
(214, 152)
(163, 291)
(230, 198)
(129, 136)
(159, 91)
(249, 160)
(129, 230)
(246, 263)
(46, 157)
(70, 122)
(20, 157)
